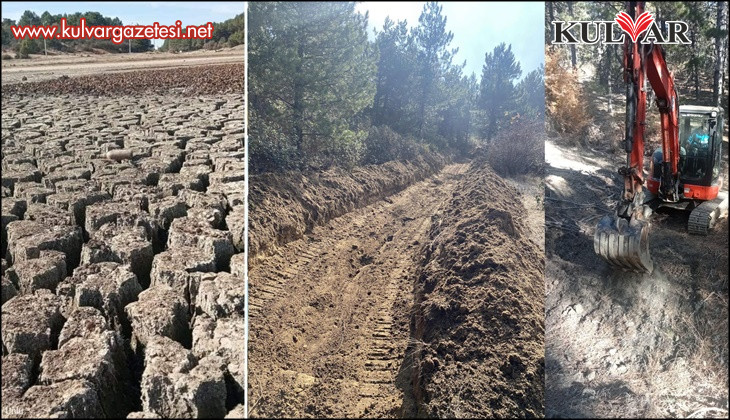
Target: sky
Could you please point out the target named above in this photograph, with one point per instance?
(142, 13)
(477, 28)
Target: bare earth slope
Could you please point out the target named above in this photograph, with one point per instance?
(285, 206)
(624, 344)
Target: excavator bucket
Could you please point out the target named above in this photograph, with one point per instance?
(624, 243)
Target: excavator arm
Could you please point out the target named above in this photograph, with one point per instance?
(662, 82)
(622, 239)
(646, 62)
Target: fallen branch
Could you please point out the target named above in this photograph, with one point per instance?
(703, 411)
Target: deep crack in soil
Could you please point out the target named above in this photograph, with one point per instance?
(329, 313)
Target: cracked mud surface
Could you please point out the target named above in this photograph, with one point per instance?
(122, 282)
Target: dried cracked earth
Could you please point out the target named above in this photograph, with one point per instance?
(122, 282)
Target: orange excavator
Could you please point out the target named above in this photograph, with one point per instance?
(684, 173)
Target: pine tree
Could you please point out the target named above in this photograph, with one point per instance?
(311, 73)
(497, 94)
(434, 61)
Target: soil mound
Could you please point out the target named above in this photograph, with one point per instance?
(285, 206)
(479, 319)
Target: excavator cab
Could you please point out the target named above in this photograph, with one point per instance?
(700, 138)
(700, 156)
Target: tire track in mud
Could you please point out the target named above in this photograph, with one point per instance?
(386, 353)
(329, 313)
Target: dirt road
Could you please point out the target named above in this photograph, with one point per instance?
(625, 344)
(44, 68)
(329, 314)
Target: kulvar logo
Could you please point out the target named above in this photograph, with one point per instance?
(645, 30)
(634, 29)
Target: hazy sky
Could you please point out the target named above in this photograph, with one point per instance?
(142, 13)
(478, 28)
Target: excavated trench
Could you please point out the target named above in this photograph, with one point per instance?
(122, 282)
(477, 327)
(340, 319)
(284, 207)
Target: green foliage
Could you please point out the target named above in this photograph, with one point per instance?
(28, 46)
(396, 82)
(531, 94)
(70, 45)
(431, 41)
(311, 74)
(23, 51)
(383, 145)
(228, 33)
(321, 93)
(269, 146)
(420, 93)
(497, 93)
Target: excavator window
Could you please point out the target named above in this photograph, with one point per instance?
(718, 152)
(694, 137)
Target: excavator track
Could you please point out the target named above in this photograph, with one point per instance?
(623, 243)
(703, 218)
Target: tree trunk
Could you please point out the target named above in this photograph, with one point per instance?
(573, 52)
(551, 15)
(717, 82)
(426, 87)
(695, 67)
(299, 105)
(610, 78)
(601, 59)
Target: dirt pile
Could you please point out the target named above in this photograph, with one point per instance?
(478, 324)
(283, 207)
(199, 80)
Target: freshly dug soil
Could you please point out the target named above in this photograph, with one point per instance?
(478, 323)
(283, 207)
(329, 314)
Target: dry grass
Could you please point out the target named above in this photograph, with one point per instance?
(565, 101)
(519, 149)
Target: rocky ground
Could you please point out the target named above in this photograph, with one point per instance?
(122, 281)
(197, 80)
